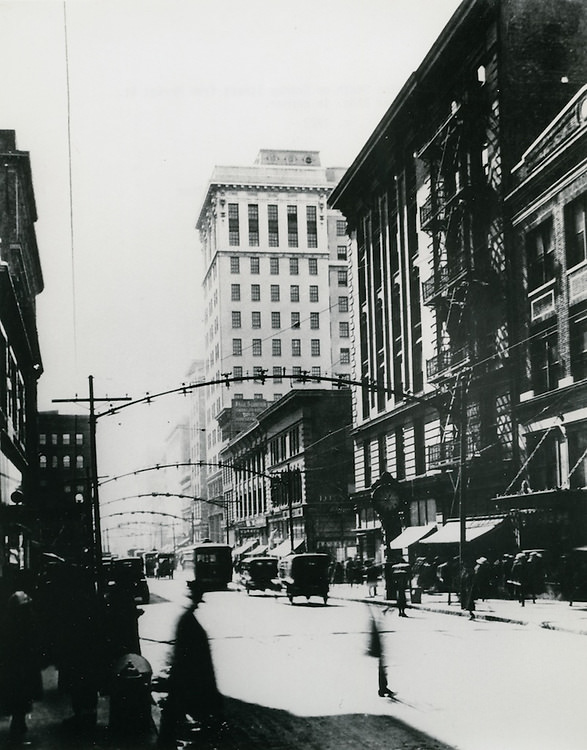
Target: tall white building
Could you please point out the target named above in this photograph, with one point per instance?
(275, 282)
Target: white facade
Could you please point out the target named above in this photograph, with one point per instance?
(275, 284)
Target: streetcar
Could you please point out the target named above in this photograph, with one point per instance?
(213, 565)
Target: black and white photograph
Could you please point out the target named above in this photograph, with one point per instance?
(293, 374)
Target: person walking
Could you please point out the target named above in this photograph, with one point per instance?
(400, 576)
(469, 590)
(375, 649)
(192, 688)
(519, 579)
(372, 577)
(20, 663)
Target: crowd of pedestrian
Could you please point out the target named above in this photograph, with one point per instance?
(521, 576)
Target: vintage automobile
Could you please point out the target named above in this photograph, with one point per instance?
(129, 573)
(305, 574)
(212, 565)
(165, 565)
(150, 559)
(259, 574)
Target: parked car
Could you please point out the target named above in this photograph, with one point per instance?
(129, 573)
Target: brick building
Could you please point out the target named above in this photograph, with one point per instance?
(21, 280)
(548, 203)
(435, 318)
(293, 476)
(64, 505)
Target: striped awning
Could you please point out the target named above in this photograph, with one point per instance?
(450, 533)
(411, 535)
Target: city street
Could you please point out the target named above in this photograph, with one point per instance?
(303, 672)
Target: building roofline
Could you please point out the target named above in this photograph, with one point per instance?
(255, 176)
(400, 102)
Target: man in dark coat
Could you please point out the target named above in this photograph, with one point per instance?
(20, 663)
(192, 682)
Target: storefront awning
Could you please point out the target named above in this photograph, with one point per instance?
(450, 533)
(284, 548)
(244, 547)
(411, 535)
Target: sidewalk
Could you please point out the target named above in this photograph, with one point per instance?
(46, 732)
(550, 614)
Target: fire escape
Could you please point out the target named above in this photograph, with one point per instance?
(454, 216)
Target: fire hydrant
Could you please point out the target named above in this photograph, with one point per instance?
(130, 695)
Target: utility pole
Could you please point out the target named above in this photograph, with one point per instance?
(95, 502)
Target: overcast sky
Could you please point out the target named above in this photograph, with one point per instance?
(154, 94)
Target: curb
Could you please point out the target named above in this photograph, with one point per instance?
(488, 617)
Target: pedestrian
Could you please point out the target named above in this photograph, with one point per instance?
(400, 577)
(443, 574)
(519, 577)
(469, 589)
(535, 577)
(375, 649)
(482, 574)
(349, 571)
(81, 657)
(372, 577)
(192, 688)
(20, 663)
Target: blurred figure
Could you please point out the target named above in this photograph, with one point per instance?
(192, 682)
(400, 577)
(375, 649)
(80, 653)
(519, 577)
(121, 622)
(482, 573)
(469, 588)
(20, 662)
(372, 577)
(535, 575)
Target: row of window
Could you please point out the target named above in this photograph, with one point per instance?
(545, 361)
(66, 462)
(275, 264)
(12, 390)
(236, 317)
(277, 375)
(63, 439)
(419, 447)
(275, 291)
(276, 348)
(273, 228)
(540, 244)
